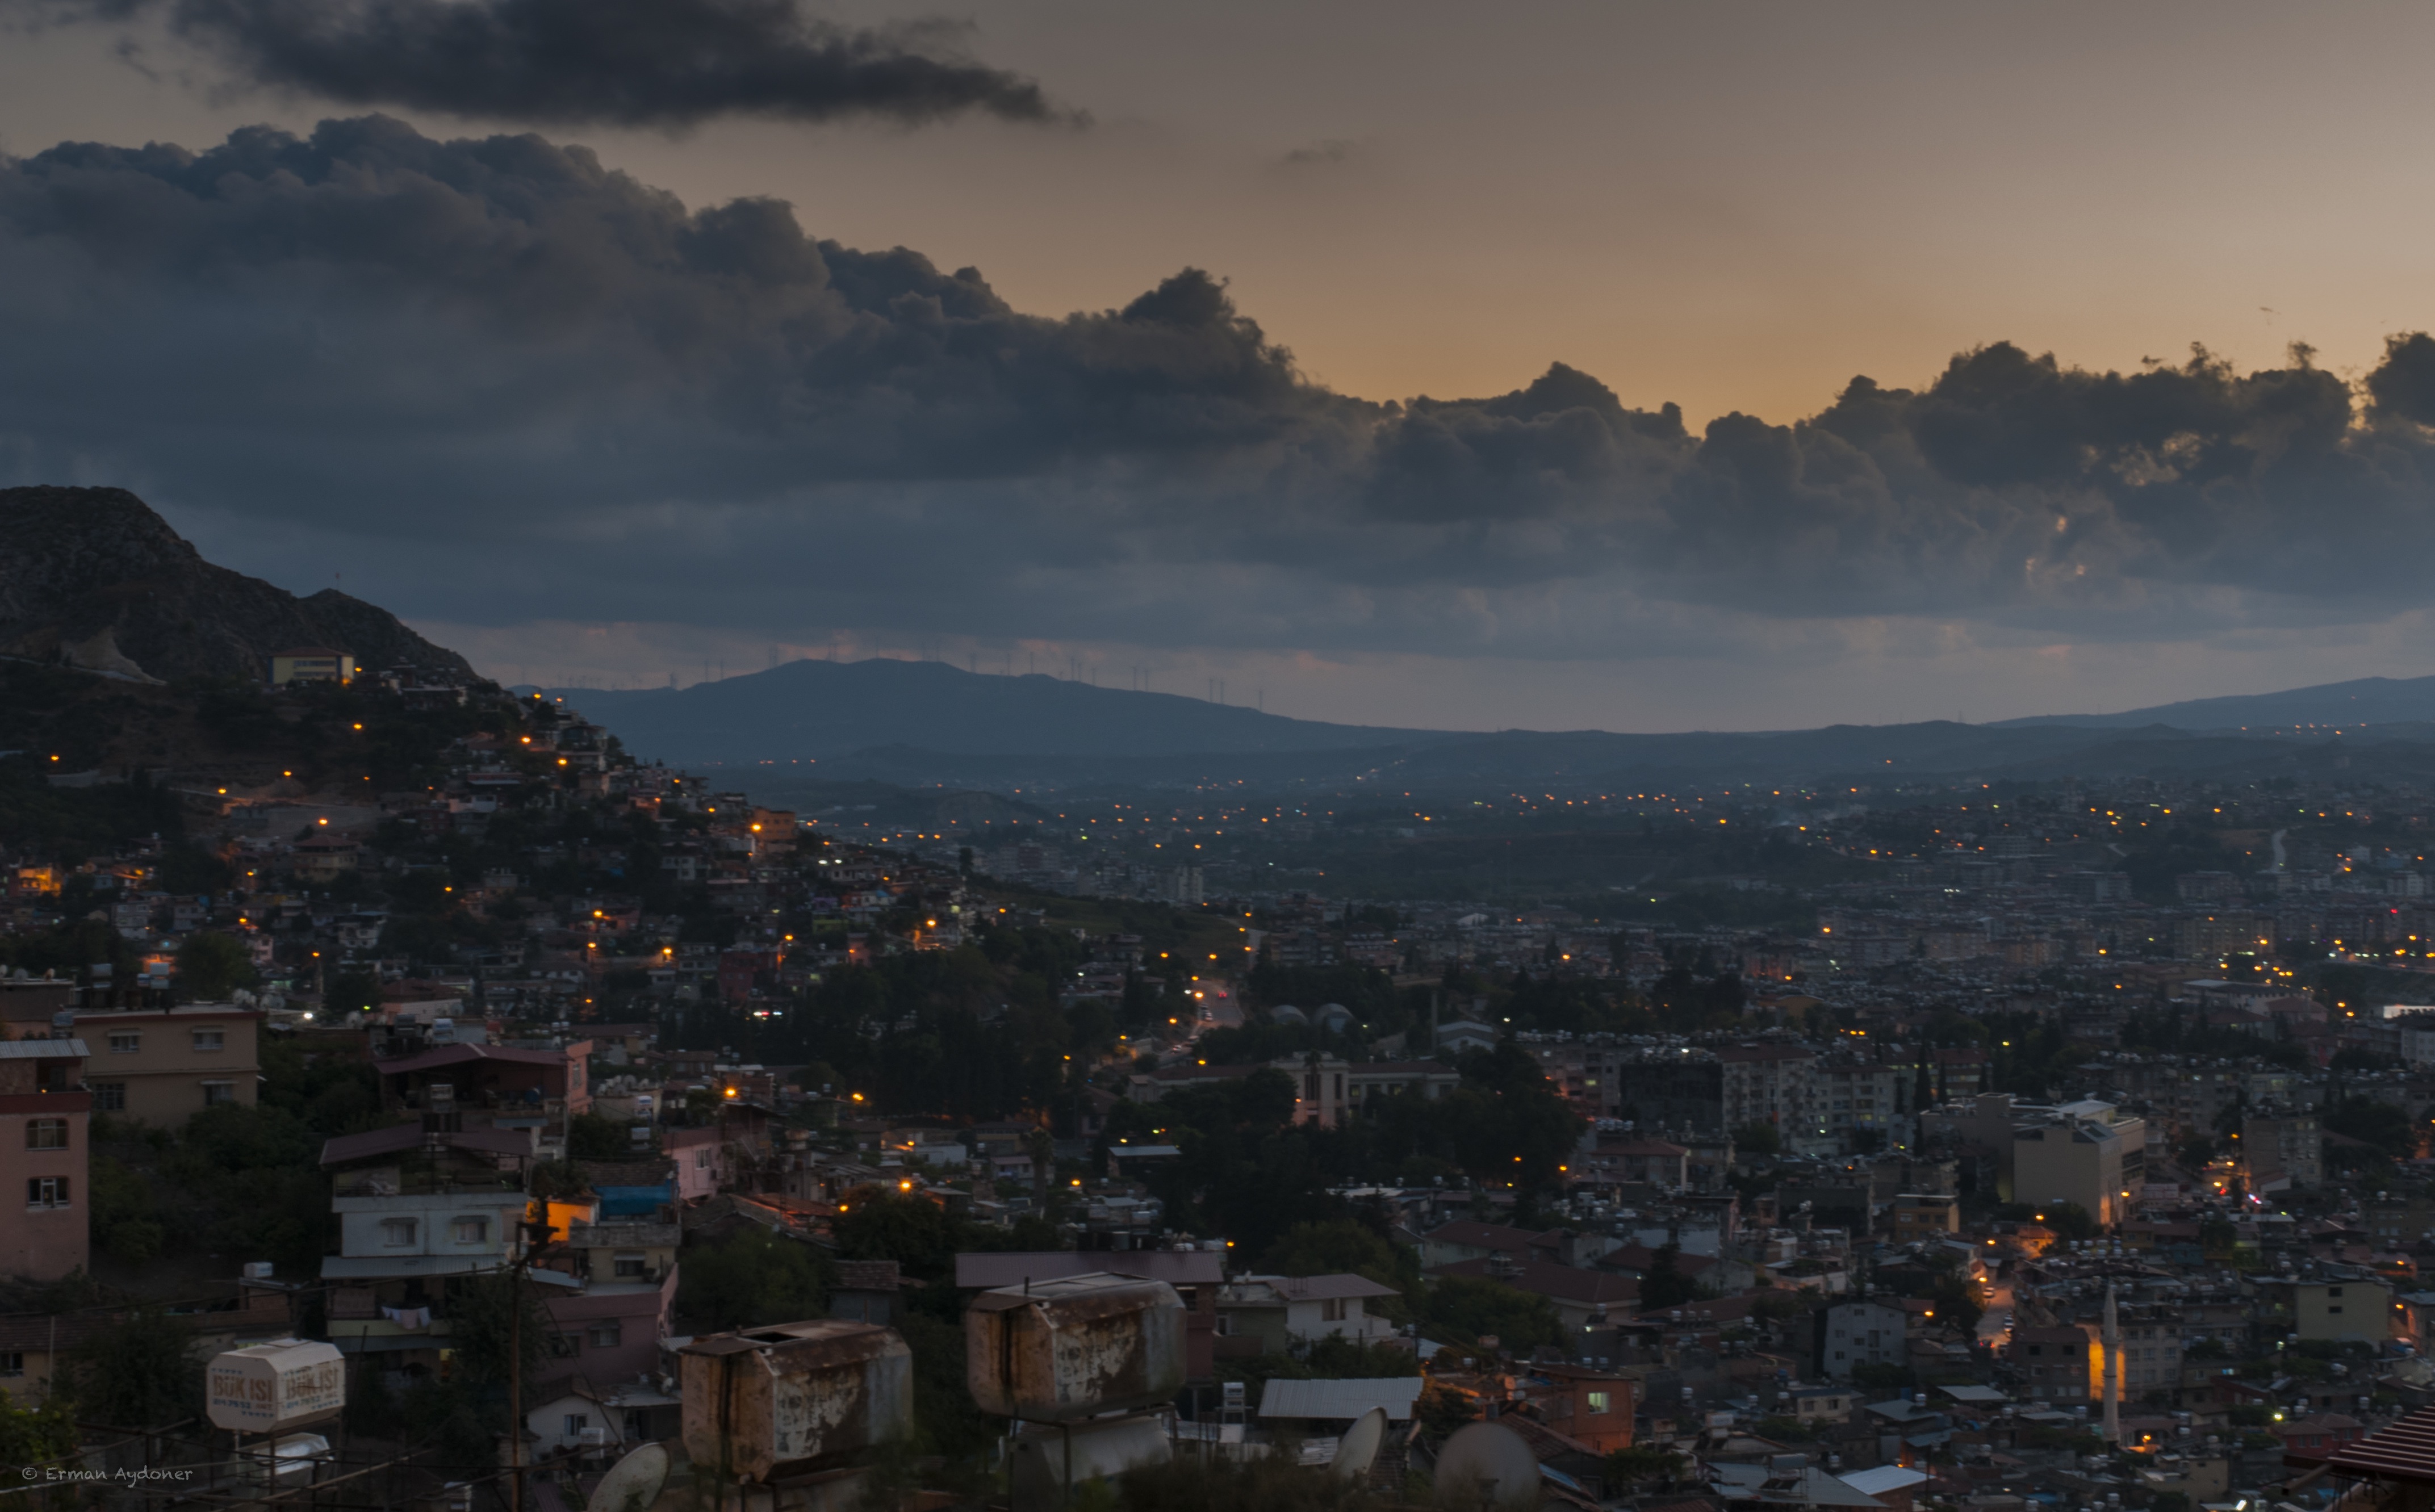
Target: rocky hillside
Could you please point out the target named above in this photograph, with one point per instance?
(93, 578)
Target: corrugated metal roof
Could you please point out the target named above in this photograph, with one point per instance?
(2403, 1449)
(1884, 1478)
(42, 1049)
(1345, 1399)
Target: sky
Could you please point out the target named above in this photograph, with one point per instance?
(1323, 350)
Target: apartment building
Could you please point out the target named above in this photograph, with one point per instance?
(2281, 1148)
(44, 1118)
(420, 1207)
(1775, 1085)
(610, 1322)
(2150, 1342)
(162, 1066)
(1851, 1334)
(2060, 1364)
(1865, 1106)
(2088, 1152)
(2354, 1311)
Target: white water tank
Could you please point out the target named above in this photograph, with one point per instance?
(266, 1387)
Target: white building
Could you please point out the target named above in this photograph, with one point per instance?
(1282, 1311)
(1855, 1334)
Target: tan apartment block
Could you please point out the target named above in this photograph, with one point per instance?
(162, 1066)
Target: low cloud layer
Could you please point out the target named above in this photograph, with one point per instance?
(666, 63)
(527, 386)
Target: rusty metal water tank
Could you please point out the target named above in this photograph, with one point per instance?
(794, 1397)
(1062, 1350)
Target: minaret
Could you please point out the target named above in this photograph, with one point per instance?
(2112, 1369)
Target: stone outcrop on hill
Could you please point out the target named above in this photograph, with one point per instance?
(93, 578)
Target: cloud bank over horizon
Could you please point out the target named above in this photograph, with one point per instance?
(669, 65)
(461, 359)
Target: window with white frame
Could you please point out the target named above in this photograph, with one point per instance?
(125, 1041)
(397, 1232)
(217, 1092)
(46, 1191)
(207, 1040)
(109, 1097)
(472, 1230)
(607, 1334)
(46, 1133)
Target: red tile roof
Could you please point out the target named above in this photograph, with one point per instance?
(2403, 1449)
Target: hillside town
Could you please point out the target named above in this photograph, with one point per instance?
(1983, 1161)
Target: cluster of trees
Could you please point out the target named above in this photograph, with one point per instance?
(244, 1178)
(1246, 1170)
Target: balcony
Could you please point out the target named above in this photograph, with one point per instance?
(357, 1315)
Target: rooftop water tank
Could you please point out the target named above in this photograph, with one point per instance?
(794, 1396)
(1065, 1350)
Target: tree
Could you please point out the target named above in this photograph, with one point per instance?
(1664, 1286)
(1520, 1321)
(874, 1223)
(591, 1137)
(1340, 1246)
(120, 1203)
(350, 992)
(1639, 1464)
(752, 1279)
(138, 1370)
(2384, 1129)
(1758, 1138)
(211, 966)
(37, 1435)
(2068, 1219)
(489, 1335)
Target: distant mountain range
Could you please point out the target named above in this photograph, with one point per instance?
(926, 723)
(2342, 705)
(93, 578)
(825, 709)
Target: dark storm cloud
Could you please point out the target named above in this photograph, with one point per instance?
(624, 62)
(542, 388)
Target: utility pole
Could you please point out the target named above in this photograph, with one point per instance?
(537, 1233)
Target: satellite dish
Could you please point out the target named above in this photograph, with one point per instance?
(1359, 1446)
(633, 1483)
(1491, 1462)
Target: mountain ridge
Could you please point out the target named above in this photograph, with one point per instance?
(921, 723)
(2361, 700)
(95, 579)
